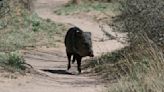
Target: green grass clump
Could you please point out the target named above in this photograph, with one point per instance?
(12, 62)
(30, 31)
(20, 28)
(86, 7)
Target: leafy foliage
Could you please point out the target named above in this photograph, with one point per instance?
(142, 16)
(12, 61)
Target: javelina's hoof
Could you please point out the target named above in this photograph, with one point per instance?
(68, 67)
(73, 61)
(79, 71)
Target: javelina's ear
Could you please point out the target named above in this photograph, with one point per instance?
(78, 32)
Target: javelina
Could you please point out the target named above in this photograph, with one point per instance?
(78, 44)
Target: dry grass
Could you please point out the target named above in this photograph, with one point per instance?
(140, 66)
(134, 69)
(145, 74)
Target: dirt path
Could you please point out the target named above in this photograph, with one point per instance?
(45, 8)
(52, 62)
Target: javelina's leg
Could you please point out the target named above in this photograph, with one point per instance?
(74, 58)
(79, 63)
(69, 60)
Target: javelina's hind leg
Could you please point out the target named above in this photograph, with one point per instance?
(79, 63)
(74, 58)
(69, 60)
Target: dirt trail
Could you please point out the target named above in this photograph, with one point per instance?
(52, 62)
(45, 8)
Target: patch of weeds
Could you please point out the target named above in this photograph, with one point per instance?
(86, 7)
(30, 31)
(108, 58)
(16, 40)
(21, 28)
(12, 62)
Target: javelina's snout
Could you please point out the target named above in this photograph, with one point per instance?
(91, 54)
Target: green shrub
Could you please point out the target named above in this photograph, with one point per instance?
(13, 61)
(86, 7)
(21, 28)
(30, 31)
(142, 17)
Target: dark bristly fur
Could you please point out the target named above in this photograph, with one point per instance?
(78, 44)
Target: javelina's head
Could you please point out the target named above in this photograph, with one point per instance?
(85, 43)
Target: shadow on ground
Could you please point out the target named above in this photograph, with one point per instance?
(57, 71)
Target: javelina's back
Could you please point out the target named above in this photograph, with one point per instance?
(78, 42)
(70, 39)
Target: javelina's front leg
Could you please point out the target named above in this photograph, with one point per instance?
(74, 58)
(69, 60)
(79, 63)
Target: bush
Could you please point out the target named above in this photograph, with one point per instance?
(13, 61)
(138, 67)
(142, 17)
(86, 7)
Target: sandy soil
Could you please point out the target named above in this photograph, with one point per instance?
(51, 62)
